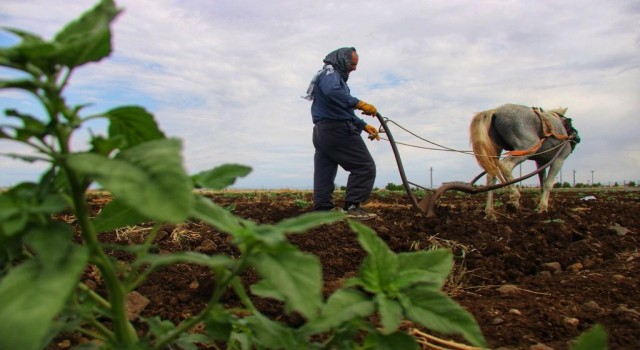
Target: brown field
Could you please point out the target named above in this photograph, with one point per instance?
(528, 278)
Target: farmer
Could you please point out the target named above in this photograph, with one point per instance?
(336, 136)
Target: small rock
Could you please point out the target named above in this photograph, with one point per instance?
(91, 284)
(588, 262)
(135, 303)
(515, 312)
(383, 230)
(593, 306)
(618, 277)
(207, 246)
(194, 285)
(623, 309)
(620, 231)
(508, 289)
(571, 321)
(497, 321)
(64, 344)
(553, 267)
(545, 274)
(577, 267)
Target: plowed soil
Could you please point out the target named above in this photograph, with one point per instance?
(529, 279)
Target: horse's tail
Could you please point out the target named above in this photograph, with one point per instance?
(484, 148)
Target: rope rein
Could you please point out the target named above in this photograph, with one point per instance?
(448, 149)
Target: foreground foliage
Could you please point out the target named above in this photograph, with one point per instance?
(41, 264)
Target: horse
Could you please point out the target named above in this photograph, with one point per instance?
(526, 133)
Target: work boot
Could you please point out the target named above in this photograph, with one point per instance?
(357, 213)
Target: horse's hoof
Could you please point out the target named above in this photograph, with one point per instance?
(512, 206)
(491, 217)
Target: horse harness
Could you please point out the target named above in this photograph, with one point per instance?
(547, 131)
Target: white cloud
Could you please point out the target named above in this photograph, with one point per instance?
(227, 76)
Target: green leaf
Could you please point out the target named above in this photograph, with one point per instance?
(216, 216)
(593, 339)
(307, 221)
(32, 127)
(380, 266)
(219, 323)
(35, 291)
(188, 341)
(440, 313)
(32, 55)
(148, 177)
(390, 313)
(159, 327)
(134, 124)
(24, 202)
(105, 146)
(155, 262)
(296, 276)
(266, 289)
(13, 216)
(266, 235)
(23, 84)
(271, 334)
(220, 177)
(29, 159)
(87, 39)
(395, 341)
(116, 214)
(430, 266)
(343, 305)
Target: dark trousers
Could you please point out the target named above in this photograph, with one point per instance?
(340, 144)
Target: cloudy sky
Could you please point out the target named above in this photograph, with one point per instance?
(227, 77)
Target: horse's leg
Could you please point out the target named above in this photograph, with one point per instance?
(507, 165)
(542, 176)
(547, 184)
(488, 209)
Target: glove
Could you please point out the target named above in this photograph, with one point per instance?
(373, 132)
(367, 108)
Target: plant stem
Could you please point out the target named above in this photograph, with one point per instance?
(124, 333)
(95, 296)
(121, 325)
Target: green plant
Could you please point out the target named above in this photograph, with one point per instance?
(301, 203)
(393, 187)
(41, 263)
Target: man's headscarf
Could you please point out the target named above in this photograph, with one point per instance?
(338, 60)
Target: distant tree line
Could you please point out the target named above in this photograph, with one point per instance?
(595, 185)
(399, 187)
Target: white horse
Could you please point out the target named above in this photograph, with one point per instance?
(527, 133)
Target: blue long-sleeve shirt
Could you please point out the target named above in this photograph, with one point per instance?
(332, 100)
